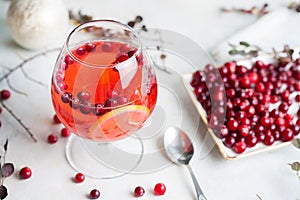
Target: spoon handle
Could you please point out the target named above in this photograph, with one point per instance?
(199, 191)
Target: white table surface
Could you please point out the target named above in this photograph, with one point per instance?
(267, 175)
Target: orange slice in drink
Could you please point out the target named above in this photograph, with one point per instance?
(120, 122)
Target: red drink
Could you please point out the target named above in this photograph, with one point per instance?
(103, 90)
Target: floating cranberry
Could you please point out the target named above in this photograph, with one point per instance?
(122, 100)
(79, 178)
(107, 47)
(69, 60)
(86, 108)
(62, 86)
(94, 194)
(159, 189)
(74, 103)
(239, 147)
(112, 94)
(66, 97)
(111, 103)
(99, 109)
(90, 47)
(64, 132)
(56, 119)
(84, 96)
(52, 138)
(80, 51)
(122, 57)
(5, 94)
(139, 191)
(25, 173)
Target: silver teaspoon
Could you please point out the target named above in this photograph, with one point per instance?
(180, 150)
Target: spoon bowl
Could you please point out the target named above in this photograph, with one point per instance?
(180, 150)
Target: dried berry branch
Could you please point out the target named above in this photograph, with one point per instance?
(255, 10)
(259, 197)
(18, 120)
(79, 18)
(244, 49)
(6, 170)
(32, 79)
(294, 6)
(10, 71)
(13, 88)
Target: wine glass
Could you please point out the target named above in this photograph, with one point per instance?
(103, 90)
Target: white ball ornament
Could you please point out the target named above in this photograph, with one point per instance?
(36, 24)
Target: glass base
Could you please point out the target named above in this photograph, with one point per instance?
(104, 160)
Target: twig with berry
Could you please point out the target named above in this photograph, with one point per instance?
(6, 169)
(255, 10)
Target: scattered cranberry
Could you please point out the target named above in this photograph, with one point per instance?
(79, 178)
(5, 94)
(52, 138)
(65, 132)
(56, 119)
(25, 173)
(139, 191)
(159, 189)
(94, 194)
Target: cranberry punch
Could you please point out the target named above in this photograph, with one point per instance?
(103, 90)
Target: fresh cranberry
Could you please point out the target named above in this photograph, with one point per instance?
(89, 47)
(260, 87)
(56, 119)
(231, 66)
(5, 94)
(251, 140)
(94, 194)
(280, 121)
(62, 86)
(265, 121)
(243, 130)
(52, 138)
(283, 107)
(64, 132)
(84, 96)
(80, 51)
(245, 82)
(232, 124)
(285, 95)
(254, 78)
(260, 64)
(139, 191)
(25, 173)
(159, 189)
(131, 53)
(239, 147)
(241, 70)
(287, 135)
(297, 98)
(269, 140)
(79, 178)
(229, 141)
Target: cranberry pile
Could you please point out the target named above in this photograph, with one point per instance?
(246, 106)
